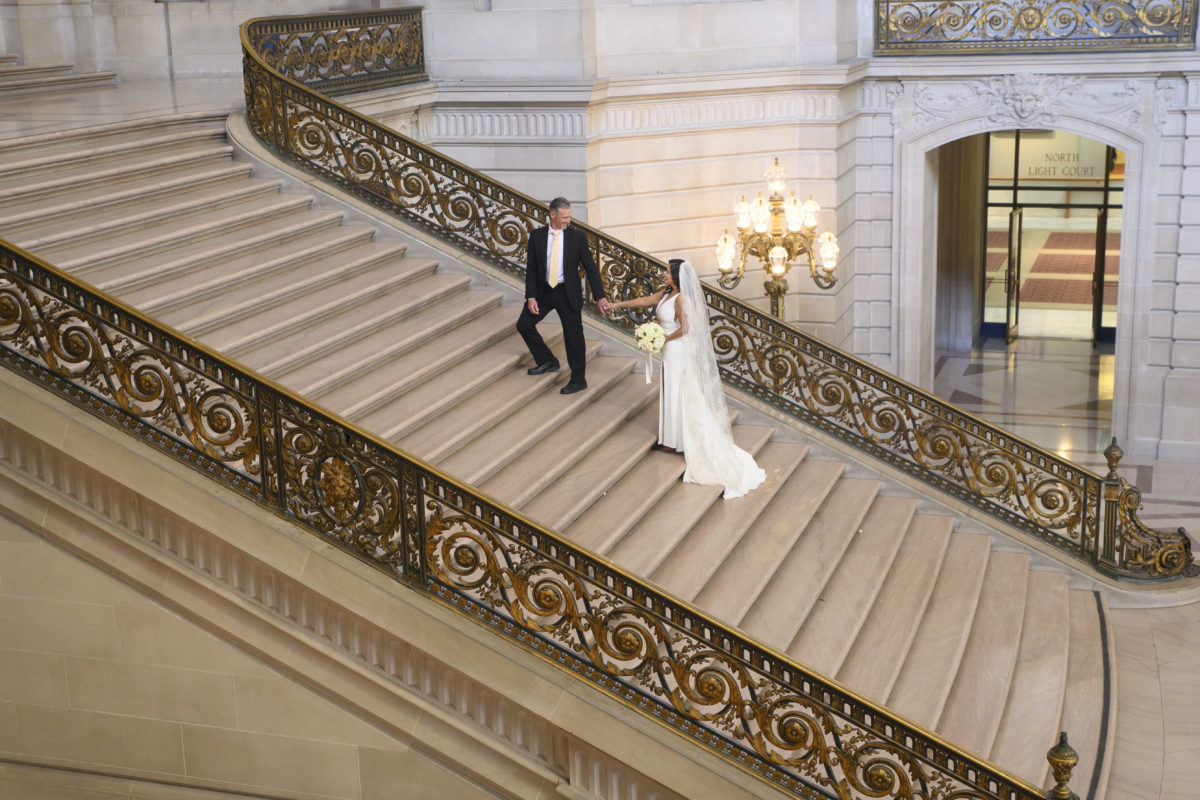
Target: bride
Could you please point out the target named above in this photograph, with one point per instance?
(692, 416)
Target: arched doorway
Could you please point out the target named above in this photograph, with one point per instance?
(1027, 261)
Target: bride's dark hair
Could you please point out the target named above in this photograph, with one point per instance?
(673, 266)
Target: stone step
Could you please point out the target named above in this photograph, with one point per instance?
(925, 678)
(652, 488)
(61, 207)
(976, 702)
(1087, 700)
(299, 330)
(494, 448)
(484, 407)
(316, 281)
(802, 573)
(86, 257)
(591, 475)
(541, 463)
(8, 58)
(380, 367)
(65, 179)
(106, 152)
(29, 84)
(422, 402)
(883, 641)
(194, 288)
(102, 223)
(164, 271)
(735, 586)
(833, 621)
(10, 69)
(711, 540)
(1035, 696)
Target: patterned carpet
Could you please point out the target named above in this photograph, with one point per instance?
(1075, 241)
(1072, 263)
(1064, 291)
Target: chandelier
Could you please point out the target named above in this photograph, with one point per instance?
(777, 231)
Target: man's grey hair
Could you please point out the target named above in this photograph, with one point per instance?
(559, 203)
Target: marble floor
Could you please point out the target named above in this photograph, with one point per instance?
(1053, 392)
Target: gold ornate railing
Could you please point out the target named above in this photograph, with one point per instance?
(1032, 26)
(664, 658)
(1078, 511)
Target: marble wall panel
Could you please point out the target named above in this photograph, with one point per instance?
(33, 677)
(47, 32)
(1180, 422)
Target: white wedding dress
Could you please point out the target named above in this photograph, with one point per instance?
(670, 398)
(692, 402)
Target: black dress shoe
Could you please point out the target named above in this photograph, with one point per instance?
(549, 366)
(572, 388)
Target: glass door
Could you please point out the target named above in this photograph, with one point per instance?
(1012, 280)
(1053, 236)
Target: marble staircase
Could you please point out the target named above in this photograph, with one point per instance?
(16, 78)
(826, 562)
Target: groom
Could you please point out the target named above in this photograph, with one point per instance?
(552, 284)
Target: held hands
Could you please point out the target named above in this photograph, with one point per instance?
(604, 306)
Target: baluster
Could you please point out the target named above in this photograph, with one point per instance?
(1106, 556)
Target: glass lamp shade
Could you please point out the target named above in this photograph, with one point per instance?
(809, 212)
(726, 252)
(778, 259)
(792, 211)
(776, 177)
(760, 213)
(827, 246)
(742, 212)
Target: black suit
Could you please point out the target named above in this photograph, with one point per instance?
(566, 298)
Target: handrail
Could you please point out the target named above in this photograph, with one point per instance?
(1014, 481)
(662, 657)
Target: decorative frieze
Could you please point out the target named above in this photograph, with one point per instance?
(1027, 100)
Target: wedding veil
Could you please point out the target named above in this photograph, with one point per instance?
(708, 447)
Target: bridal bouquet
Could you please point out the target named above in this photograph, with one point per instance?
(651, 338)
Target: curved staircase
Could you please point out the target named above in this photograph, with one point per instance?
(824, 562)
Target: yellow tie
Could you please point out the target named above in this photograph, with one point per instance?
(552, 267)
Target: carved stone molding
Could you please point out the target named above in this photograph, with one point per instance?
(83, 492)
(441, 123)
(1027, 100)
(616, 118)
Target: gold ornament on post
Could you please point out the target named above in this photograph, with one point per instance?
(777, 231)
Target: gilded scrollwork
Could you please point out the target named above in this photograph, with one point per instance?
(932, 26)
(340, 485)
(1144, 551)
(582, 614)
(100, 350)
(337, 55)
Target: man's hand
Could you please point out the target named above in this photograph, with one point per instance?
(604, 305)
(533, 306)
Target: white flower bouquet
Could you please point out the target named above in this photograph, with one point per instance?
(650, 338)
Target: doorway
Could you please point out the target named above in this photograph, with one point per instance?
(1028, 249)
(1053, 241)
